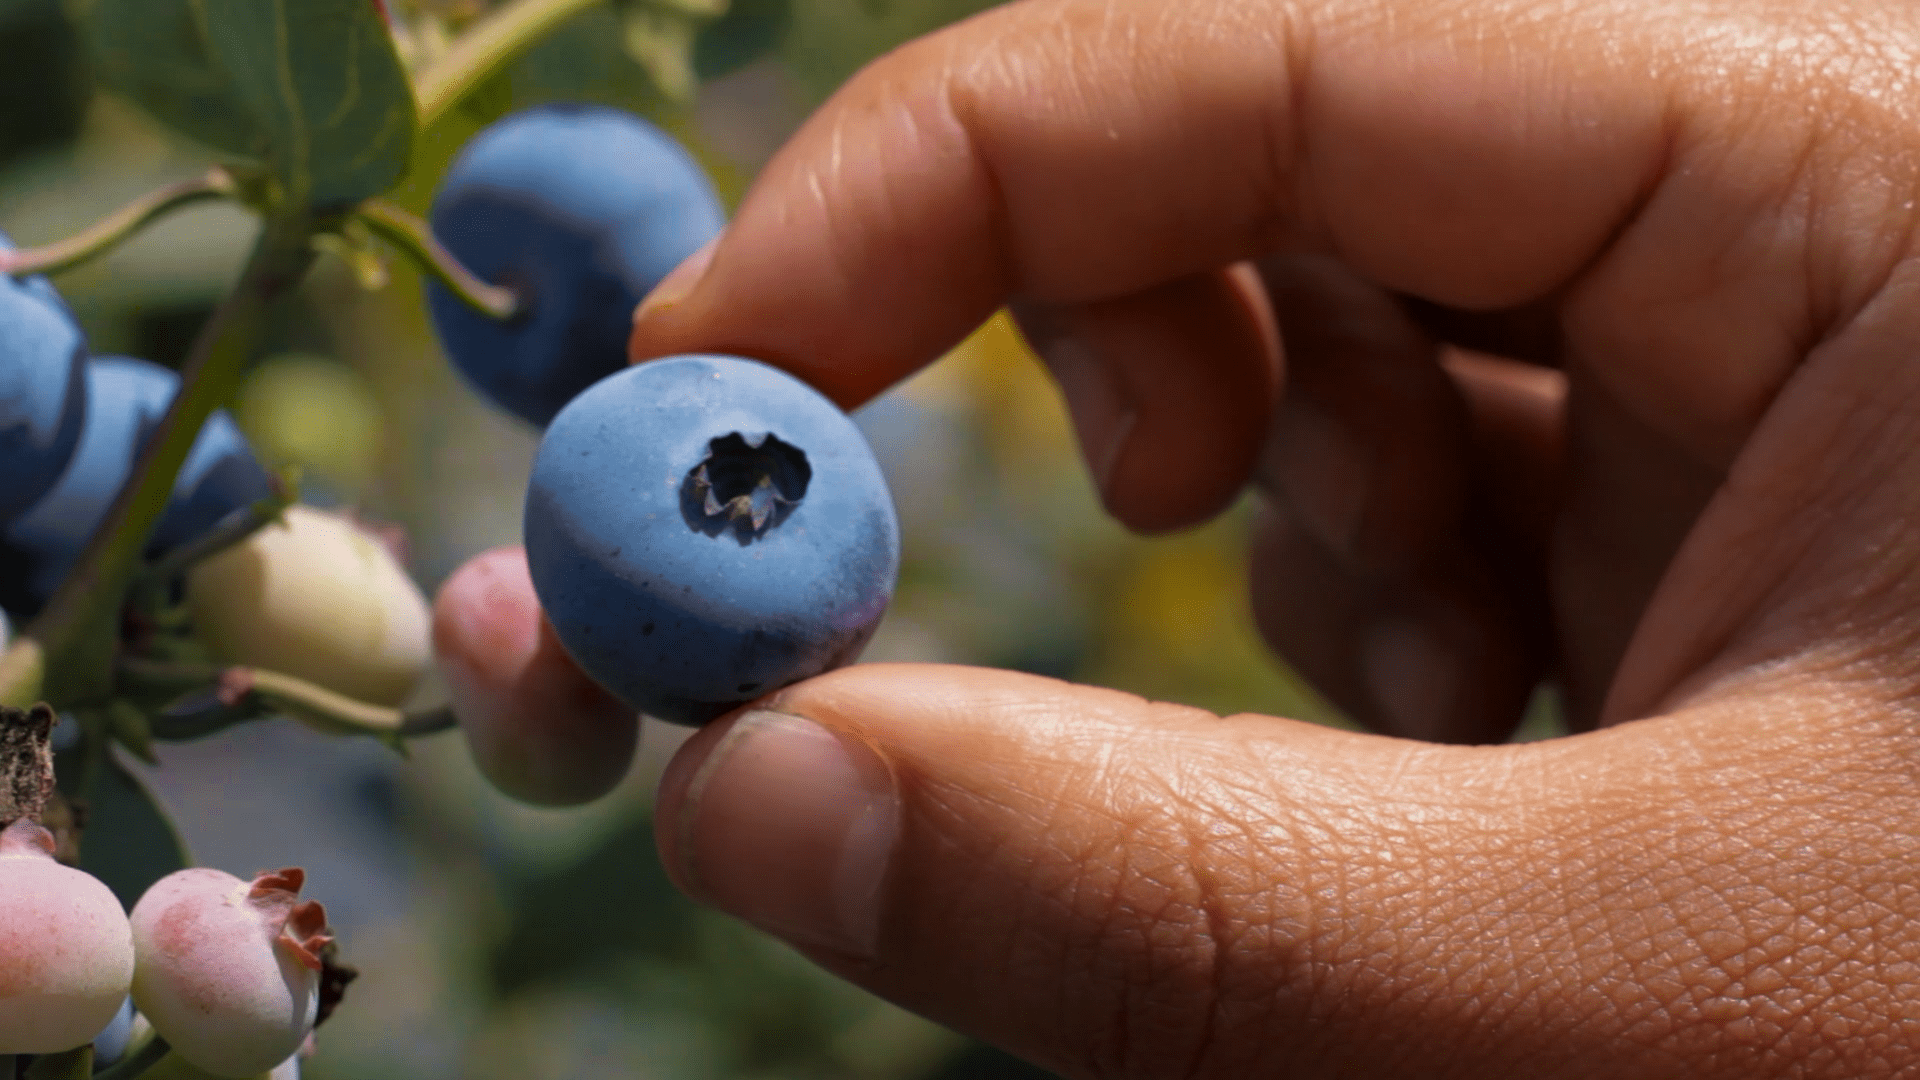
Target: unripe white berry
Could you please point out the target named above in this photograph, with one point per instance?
(66, 953)
(229, 970)
(318, 599)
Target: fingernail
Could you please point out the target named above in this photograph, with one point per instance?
(1413, 679)
(1311, 462)
(791, 827)
(1102, 412)
(679, 284)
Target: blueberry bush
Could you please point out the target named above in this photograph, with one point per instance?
(247, 237)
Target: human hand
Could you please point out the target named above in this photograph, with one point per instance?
(1700, 219)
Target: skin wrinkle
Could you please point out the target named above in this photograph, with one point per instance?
(1440, 24)
(1683, 889)
(1793, 514)
(1173, 908)
(1271, 173)
(1733, 138)
(1877, 428)
(1046, 120)
(1236, 919)
(1622, 277)
(1164, 907)
(1177, 932)
(1001, 62)
(1805, 74)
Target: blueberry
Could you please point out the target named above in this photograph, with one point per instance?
(702, 530)
(111, 1044)
(42, 389)
(126, 399)
(582, 209)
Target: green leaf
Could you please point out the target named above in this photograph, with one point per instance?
(323, 79)
(11, 9)
(155, 53)
(131, 729)
(128, 840)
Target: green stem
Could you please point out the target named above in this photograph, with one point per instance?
(23, 675)
(232, 529)
(78, 632)
(412, 236)
(138, 1060)
(314, 705)
(428, 722)
(118, 227)
(486, 47)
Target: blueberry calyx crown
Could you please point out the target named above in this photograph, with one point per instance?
(748, 485)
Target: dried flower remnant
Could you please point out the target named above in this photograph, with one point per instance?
(230, 971)
(26, 762)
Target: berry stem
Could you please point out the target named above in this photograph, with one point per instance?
(232, 529)
(66, 654)
(487, 46)
(313, 705)
(120, 226)
(415, 239)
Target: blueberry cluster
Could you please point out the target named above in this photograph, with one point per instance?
(701, 530)
(71, 427)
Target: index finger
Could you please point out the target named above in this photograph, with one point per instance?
(1064, 152)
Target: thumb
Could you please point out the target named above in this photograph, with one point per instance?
(1119, 888)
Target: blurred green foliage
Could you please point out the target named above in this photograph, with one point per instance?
(44, 84)
(130, 844)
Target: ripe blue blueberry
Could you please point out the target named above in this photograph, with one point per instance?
(111, 1044)
(42, 389)
(125, 400)
(581, 209)
(703, 530)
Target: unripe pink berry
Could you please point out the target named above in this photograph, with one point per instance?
(66, 953)
(229, 970)
(539, 728)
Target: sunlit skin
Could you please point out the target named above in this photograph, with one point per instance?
(1686, 492)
